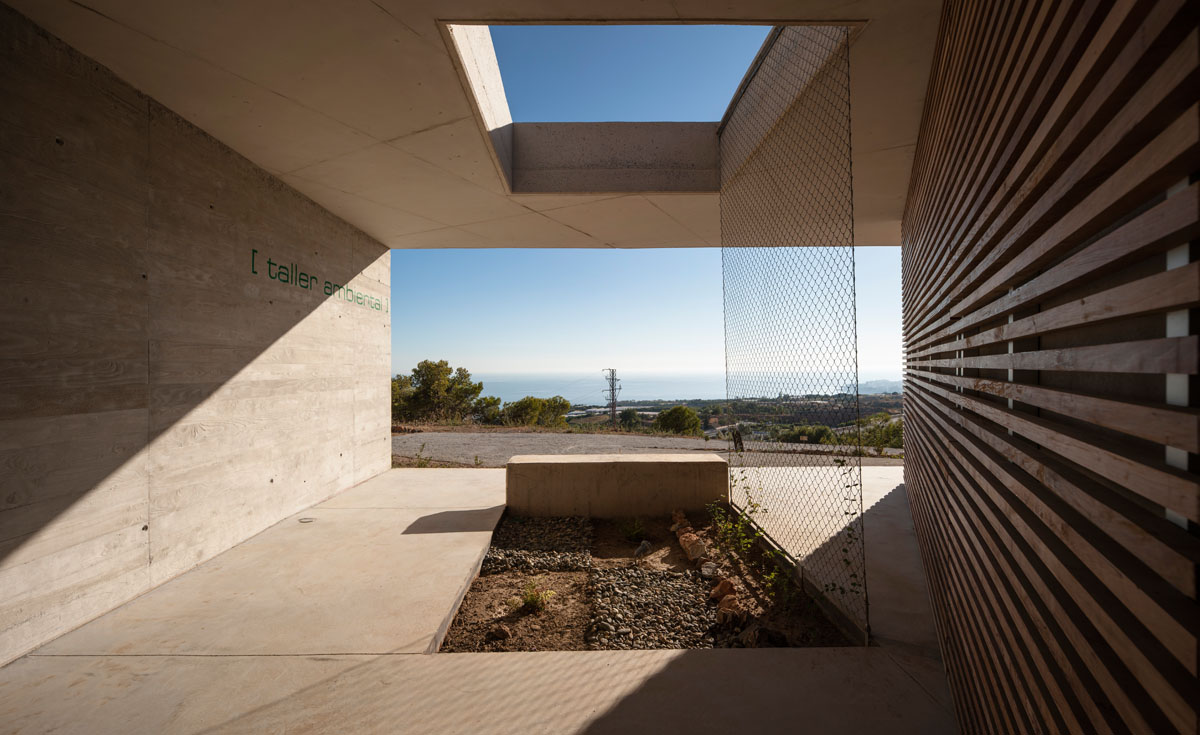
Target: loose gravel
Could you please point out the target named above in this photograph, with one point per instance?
(540, 545)
(543, 534)
(517, 560)
(626, 605)
(641, 608)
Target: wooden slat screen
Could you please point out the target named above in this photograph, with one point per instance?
(1050, 274)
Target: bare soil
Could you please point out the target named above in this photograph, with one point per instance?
(424, 462)
(615, 541)
(649, 606)
(491, 605)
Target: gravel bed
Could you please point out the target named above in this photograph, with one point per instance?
(641, 608)
(543, 534)
(540, 545)
(519, 560)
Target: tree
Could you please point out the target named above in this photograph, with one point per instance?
(402, 390)
(434, 392)
(524, 412)
(808, 434)
(678, 420)
(554, 412)
(486, 410)
(441, 393)
(630, 419)
(880, 431)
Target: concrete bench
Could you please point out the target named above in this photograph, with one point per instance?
(614, 485)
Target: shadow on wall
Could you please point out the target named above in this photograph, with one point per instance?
(177, 374)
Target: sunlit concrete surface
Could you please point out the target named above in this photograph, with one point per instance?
(614, 485)
(804, 508)
(378, 569)
(320, 627)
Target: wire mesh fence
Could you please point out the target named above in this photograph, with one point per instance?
(787, 231)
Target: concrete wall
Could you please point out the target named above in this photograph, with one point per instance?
(605, 157)
(159, 401)
(614, 485)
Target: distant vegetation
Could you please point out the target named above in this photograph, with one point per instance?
(879, 431)
(437, 393)
(678, 420)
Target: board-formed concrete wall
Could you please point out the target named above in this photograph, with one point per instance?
(162, 396)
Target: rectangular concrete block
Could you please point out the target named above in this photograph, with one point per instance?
(614, 485)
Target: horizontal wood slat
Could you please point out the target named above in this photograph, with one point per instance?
(1049, 271)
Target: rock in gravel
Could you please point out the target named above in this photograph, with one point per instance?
(499, 633)
(723, 588)
(692, 546)
(708, 570)
(730, 610)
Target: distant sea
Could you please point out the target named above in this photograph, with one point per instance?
(589, 389)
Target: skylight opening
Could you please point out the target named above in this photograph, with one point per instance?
(623, 73)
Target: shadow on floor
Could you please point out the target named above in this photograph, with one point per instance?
(457, 521)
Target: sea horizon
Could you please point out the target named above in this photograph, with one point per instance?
(583, 389)
(590, 389)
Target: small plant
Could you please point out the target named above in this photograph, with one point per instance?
(532, 599)
(422, 461)
(776, 577)
(477, 462)
(633, 530)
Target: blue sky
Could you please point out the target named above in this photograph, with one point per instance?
(576, 311)
(623, 73)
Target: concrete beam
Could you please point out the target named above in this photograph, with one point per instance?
(610, 157)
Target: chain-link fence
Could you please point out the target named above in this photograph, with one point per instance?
(790, 342)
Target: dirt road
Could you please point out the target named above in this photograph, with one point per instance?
(495, 449)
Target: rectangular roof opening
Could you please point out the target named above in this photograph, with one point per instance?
(604, 108)
(623, 73)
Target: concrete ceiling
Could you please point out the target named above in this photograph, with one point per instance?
(359, 105)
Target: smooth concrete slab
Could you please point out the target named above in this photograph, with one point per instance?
(425, 488)
(262, 625)
(365, 576)
(819, 690)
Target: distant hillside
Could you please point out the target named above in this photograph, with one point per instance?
(879, 386)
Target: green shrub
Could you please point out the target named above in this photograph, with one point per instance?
(533, 598)
(678, 420)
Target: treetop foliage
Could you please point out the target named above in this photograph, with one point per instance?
(435, 392)
(678, 420)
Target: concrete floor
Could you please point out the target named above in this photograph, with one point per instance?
(321, 627)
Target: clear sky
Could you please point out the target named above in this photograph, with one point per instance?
(623, 73)
(576, 311)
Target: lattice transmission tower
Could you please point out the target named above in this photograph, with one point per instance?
(614, 388)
